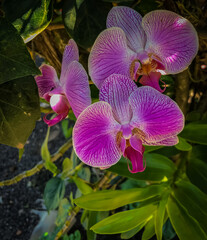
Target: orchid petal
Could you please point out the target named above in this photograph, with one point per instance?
(94, 136)
(70, 54)
(171, 38)
(154, 114)
(47, 81)
(136, 158)
(152, 80)
(130, 22)
(56, 119)
(76, 87)
(171, 141)
(109, 55)
(116, 91)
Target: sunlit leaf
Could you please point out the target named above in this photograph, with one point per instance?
(186, 227)
(28, 17)
(15, 61)
(111, 199)
(67, 167)
(124, 221)
(149, 230)
(19, 111)
(82, 186)
(158, 168)
(183, 145)
(129, 234)
(160, 214)
(53, 193)
(195, 132)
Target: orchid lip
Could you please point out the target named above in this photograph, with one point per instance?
(59, 103)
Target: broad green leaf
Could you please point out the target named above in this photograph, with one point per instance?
(28, 17)
(129, 234)
(124, 221)
(195, 132)
(62, 211)
(85, 173)
(53, 193)
(91, 221)
(66, 130)
(186, 227)
(19, 111)
(158, 168)
(84, 20)
(197, 167)
(160, 214)
(82, 186)
(183, 145)
(193, 201)
(112, 199)
(15, 61)
(149, 230)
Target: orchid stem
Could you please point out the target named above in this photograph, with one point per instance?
(37, 167)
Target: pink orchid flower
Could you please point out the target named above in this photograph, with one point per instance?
(142, 48)
(72, 91)
(125, 119)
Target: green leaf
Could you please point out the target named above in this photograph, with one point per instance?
(84, 20)
(28, 17)
(129, 234)
(66, 131)
(112, 199)
(62, 211)
(45, 154)
(193, 201)
(19, 111)
(53, 193)
(186, 227)
(160, 214)
(21, 152)
(151, 148)
(195, 132)
(168, 231)
(15, 61)
(82, 186)
(91, 221)
(67, 167)
(149, 230)
(158, 168)
(124, 221)
(183, 145)
(197, 167)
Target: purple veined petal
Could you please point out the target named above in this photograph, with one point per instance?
(70, 54)
(95, 136)
(130, 21)
(109, 55)
(171, 141)
(76, 87)
(136, 159)
(116, 90)
(47, 81)
(152, 80)
(172, 38)
(155, 114)
(56, 119)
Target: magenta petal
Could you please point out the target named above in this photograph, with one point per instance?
(172, 38)
(171, 141)
(76, 87)
(109, 55)
(116, 91)
(70, 54)
(152, 80)
(136, 158)
(155, 114)
(56, 119)
(47, 81)
(130, 22)
(94, 136)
